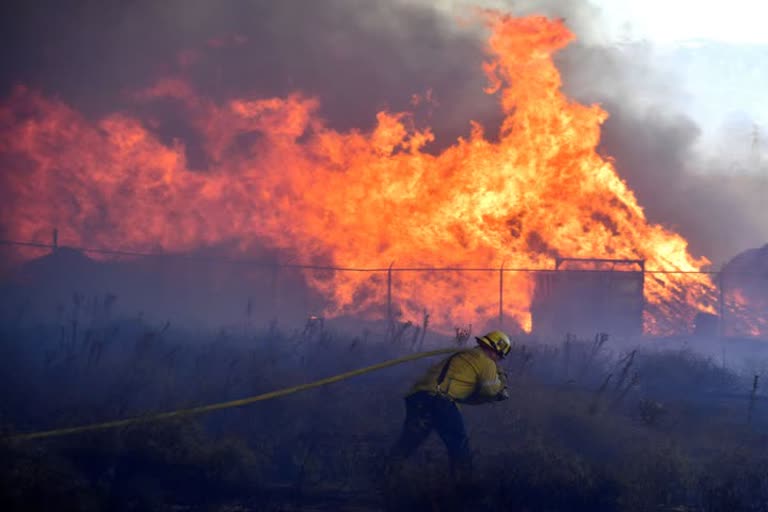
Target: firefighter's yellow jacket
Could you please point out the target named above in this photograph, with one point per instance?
(468, 377)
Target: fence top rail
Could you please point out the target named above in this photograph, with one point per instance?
(391, 268)
(640, 263)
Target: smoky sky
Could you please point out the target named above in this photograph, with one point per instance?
(359, 57)
(356, 57)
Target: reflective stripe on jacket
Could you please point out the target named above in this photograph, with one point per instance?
(469, 376)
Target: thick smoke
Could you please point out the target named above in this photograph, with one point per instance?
(356, 57)
(360, 57)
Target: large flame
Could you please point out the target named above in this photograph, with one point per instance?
(278, 175)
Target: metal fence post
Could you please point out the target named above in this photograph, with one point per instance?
(501, 295)
(276, 292)
(389, 293)
(55, 239)
(721, 303)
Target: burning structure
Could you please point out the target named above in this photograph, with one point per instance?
(278, 177)
(744, 294)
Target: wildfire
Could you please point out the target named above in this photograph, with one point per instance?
(278, 175)
(742, 321)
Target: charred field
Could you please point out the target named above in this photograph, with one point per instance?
(593, 424)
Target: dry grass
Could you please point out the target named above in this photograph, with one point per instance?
(582, 430)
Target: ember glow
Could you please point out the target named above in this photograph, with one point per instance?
(745, 316)
(278, 176)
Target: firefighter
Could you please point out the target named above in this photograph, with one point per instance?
(468, 377)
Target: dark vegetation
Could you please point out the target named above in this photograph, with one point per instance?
(591, 425)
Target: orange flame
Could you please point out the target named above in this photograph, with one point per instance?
(746, 315)
(277, 174)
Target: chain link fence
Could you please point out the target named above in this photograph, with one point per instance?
(594, 297)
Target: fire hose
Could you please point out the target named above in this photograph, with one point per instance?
(226, 405)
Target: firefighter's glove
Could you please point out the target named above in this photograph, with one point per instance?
(503, 395)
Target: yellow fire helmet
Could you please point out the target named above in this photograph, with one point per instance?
(496, 341)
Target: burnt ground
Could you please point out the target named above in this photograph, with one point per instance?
(590, 426)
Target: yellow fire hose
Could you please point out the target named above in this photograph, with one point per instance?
(226, 405)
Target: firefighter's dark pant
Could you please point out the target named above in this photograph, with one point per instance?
(424, 412)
